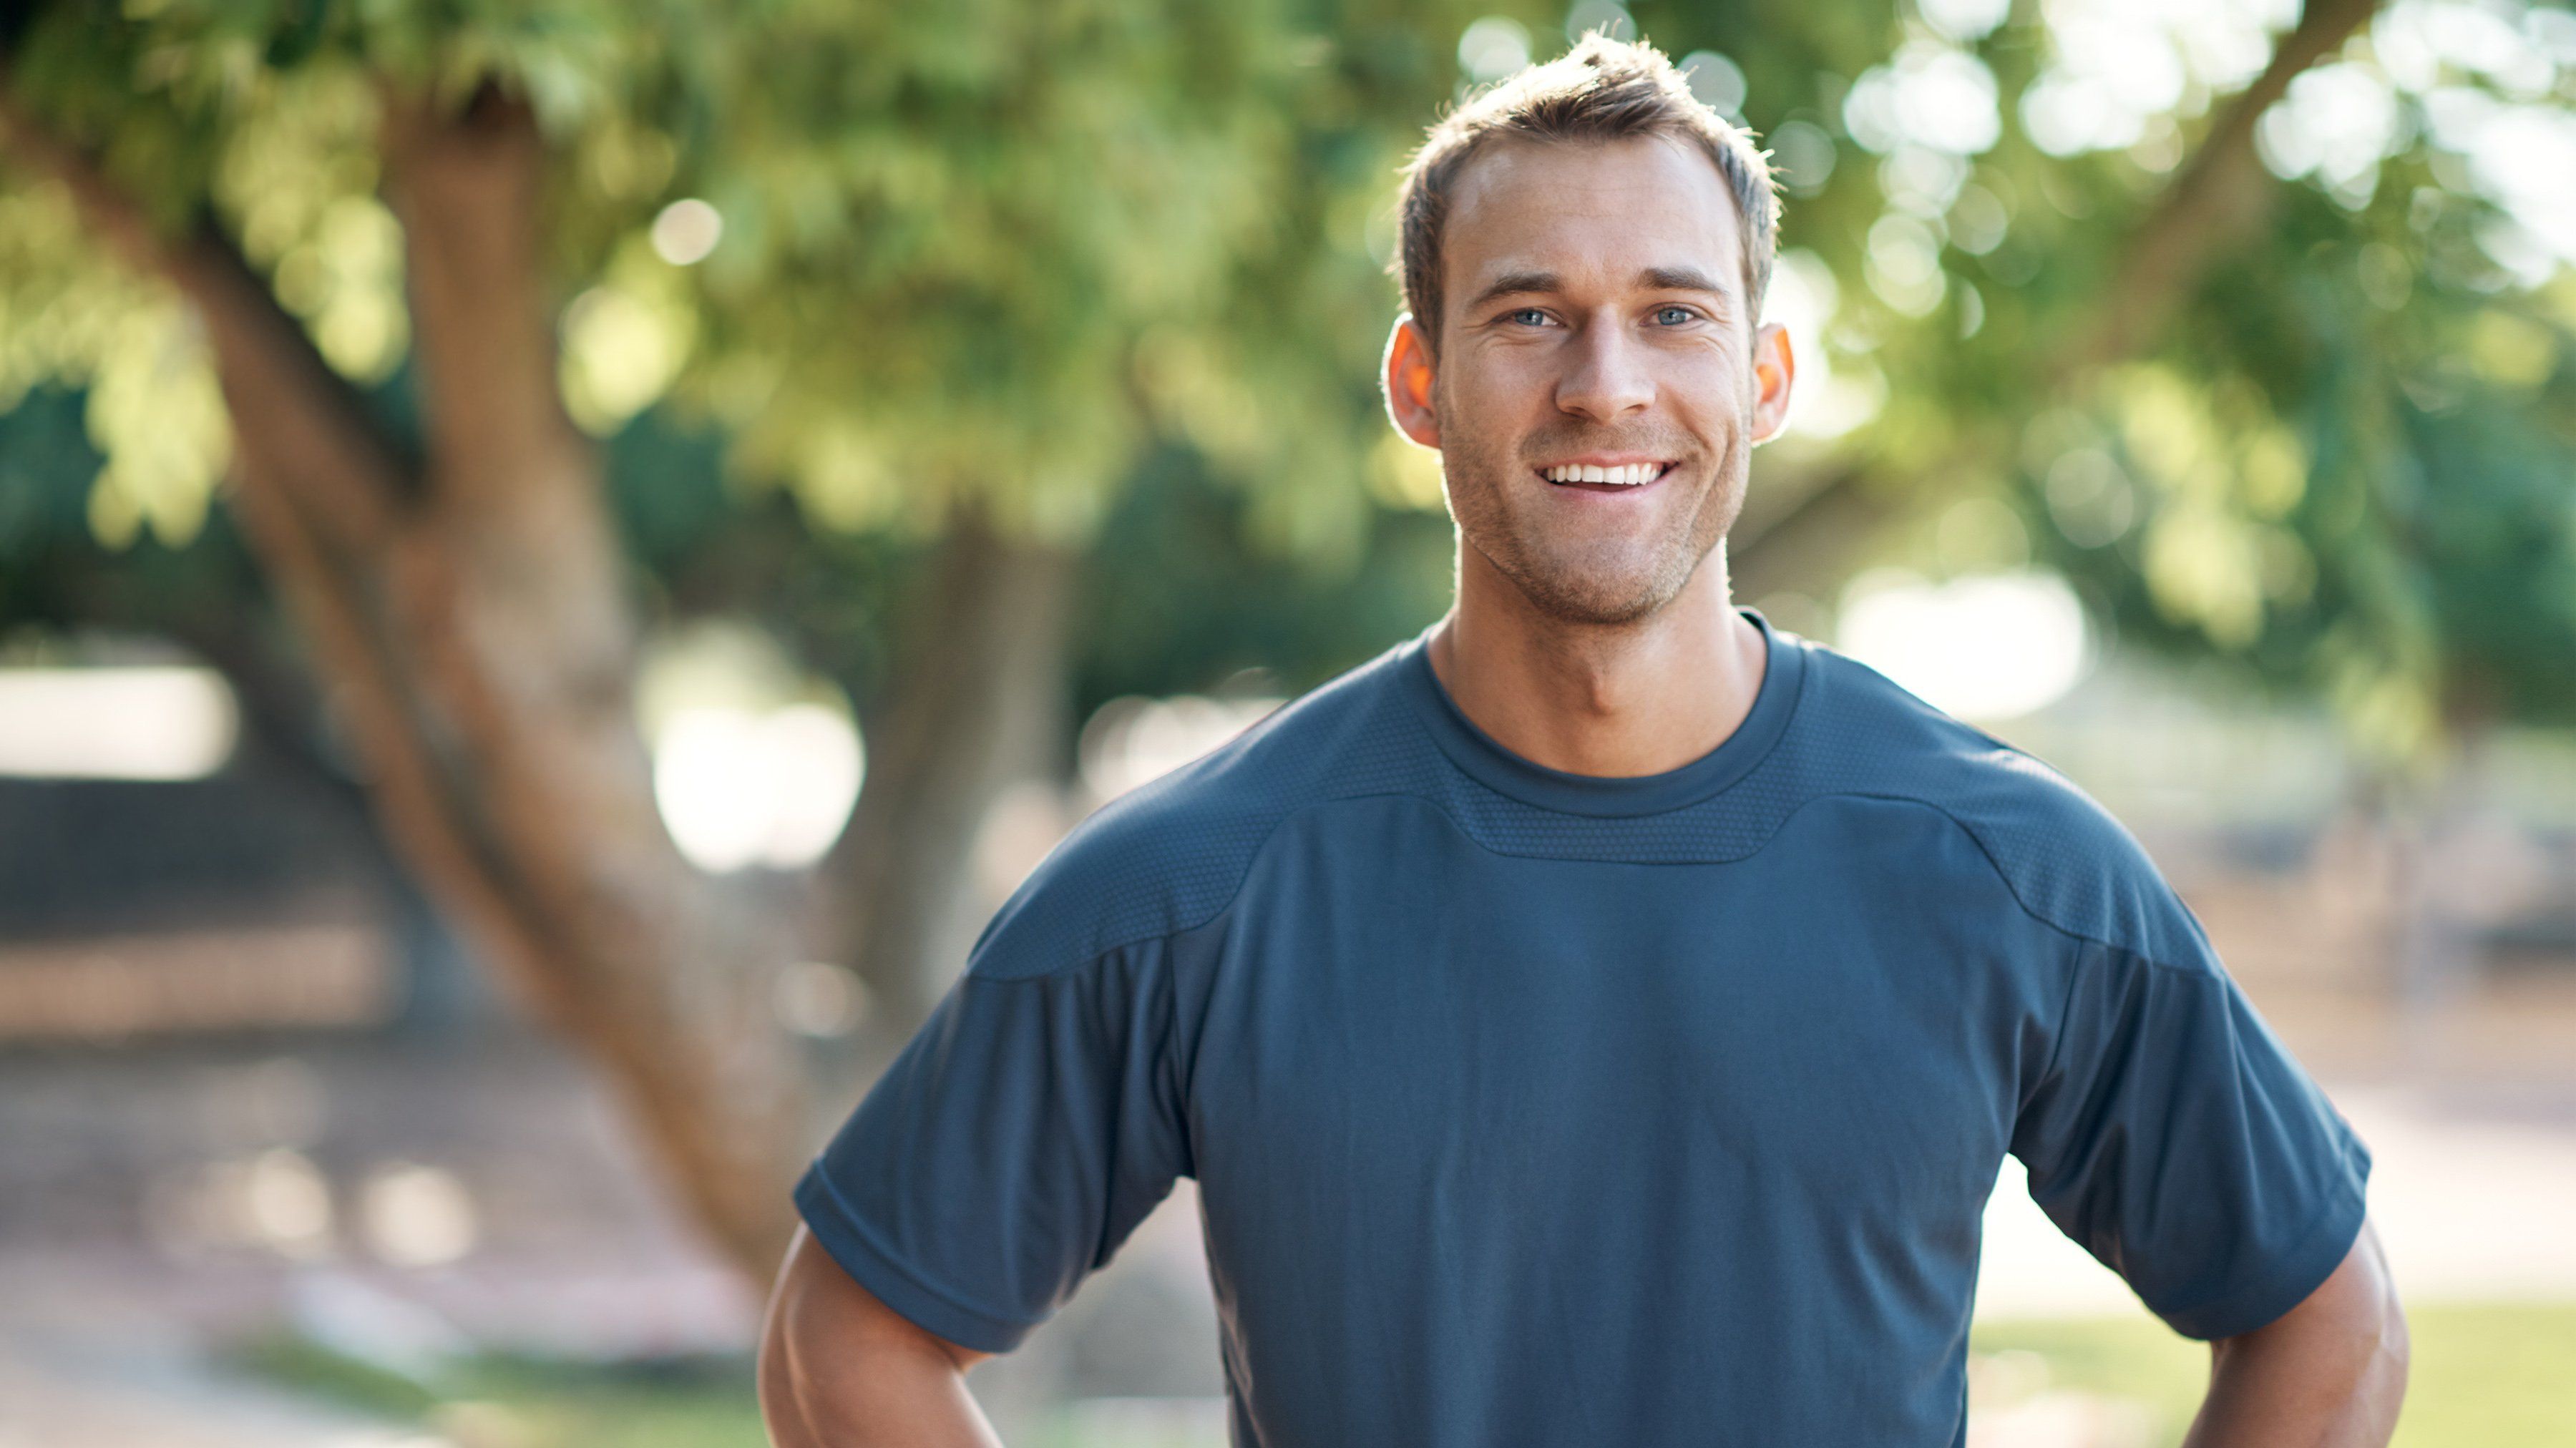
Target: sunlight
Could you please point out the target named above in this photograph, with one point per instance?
(1980, 647)
(740, 788)
(158, 723)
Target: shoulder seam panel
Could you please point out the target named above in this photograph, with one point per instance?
(2011, 889)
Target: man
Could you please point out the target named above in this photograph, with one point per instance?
(1602, 1019)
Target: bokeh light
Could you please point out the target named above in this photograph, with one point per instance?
(755, 761)
(738, 788)
(1133, 742)
(1982, 647)
(686, 232)
(164, 722)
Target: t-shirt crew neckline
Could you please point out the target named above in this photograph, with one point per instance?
(1480, 755)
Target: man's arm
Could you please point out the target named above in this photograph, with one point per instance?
(839, 1369)
(2329, 1373)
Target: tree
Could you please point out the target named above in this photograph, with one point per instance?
(2270, 352)
(955, 283)
(969, 265)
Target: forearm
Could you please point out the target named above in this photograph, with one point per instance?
(2329, 1374)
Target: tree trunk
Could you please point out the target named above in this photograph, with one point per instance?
(471, 619)
(507, 598)
(978, 705)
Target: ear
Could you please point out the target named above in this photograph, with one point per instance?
(1408, 383)
(1775, 367)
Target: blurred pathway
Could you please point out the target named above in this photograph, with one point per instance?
(141, 1389)
(2469, 1199)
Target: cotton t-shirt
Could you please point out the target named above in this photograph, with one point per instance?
(1539, 1108)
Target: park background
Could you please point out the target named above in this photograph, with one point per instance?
(557, 560)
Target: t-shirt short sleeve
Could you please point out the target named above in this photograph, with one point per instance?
(2174, 1137)
(1021, 1135)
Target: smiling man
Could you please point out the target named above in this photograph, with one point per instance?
(1602, 1019)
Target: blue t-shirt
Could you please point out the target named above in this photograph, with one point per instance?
(1539, 1108)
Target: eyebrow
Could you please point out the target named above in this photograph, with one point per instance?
(1515, 283)
(1653, 278)
(1678, 279)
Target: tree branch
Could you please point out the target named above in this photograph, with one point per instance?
(1781, 548)
(2218, 196)
(511, 602)
(318, 490)
(301, 419)
(469, 187)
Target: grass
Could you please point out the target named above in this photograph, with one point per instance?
(2498, 1376)
(2492, 1376)
(522, 1402)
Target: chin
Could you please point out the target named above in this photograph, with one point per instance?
(1600, 597)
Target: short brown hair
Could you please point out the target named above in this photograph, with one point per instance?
(1602, 90)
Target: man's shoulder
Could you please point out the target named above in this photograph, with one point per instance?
(2066, 858)
(1167, 857)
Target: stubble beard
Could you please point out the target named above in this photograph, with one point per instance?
(1607, 585)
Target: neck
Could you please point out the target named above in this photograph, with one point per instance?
(1615, 700)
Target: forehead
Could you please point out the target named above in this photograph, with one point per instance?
(1590, 212)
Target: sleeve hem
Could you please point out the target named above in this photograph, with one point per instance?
(2321, 1251)
(894, 1282)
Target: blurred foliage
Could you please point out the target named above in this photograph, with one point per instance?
(59, 570)
(1008, 253)
(2347, 461)
(984, 251)
(530, 1402)
(1117, 264)
(1176, 602)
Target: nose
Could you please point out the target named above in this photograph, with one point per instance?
(1606, 376)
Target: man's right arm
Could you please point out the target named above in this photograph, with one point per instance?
(839, 1369)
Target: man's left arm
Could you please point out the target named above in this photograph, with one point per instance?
(2174, 1137)
(2329, 1373)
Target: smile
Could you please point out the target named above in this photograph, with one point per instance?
(1619, 475)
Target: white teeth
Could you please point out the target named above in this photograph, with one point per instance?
(1630, 476)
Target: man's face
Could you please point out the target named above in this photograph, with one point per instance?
(1600, 381)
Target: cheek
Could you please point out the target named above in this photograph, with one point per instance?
(1502, 383)
(1712, 395)
(1711, 377)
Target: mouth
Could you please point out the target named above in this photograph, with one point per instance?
(1619, 477)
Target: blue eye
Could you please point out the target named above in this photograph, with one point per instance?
(1673, 316)
(1530, 315)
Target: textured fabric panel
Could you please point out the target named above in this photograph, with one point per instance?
(1169, 856)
